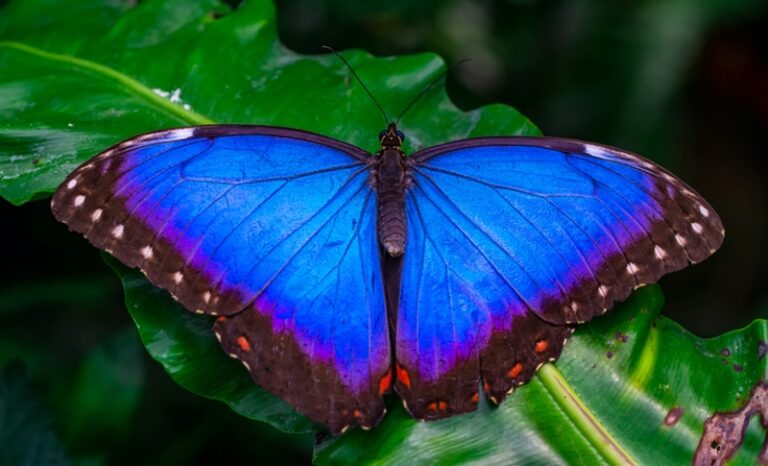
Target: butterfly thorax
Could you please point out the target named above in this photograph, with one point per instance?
(390, 175)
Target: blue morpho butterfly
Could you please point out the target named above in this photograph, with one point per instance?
(338, 276)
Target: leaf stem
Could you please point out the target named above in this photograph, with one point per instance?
(583, 419)
(137, 87)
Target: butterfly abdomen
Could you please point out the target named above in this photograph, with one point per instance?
(390, 190)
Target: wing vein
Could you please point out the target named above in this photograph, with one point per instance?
(477, 248)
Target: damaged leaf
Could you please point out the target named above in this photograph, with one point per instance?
(725, 432)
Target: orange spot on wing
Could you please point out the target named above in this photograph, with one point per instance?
(475, 398)
(541, 346)
(385, 382)
(221, 319)
(243, 344)
(403, 377)
(486, 387)
(515, 371)
(357, 414)
(437, 406)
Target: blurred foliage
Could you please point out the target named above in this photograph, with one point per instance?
(681, 81)
(26, 434)
(608, 68)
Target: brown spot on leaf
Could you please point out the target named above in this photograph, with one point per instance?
(724, 432)
(673, 416)
(762, 348)
(609, 354)
(738, 367)
(725, 352)
(621, 337)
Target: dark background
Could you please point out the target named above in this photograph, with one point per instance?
(683, 82)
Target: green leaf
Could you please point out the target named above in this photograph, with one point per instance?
(26, 434)
(604, 402)
(69, 90)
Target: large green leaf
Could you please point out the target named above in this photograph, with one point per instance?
(69, 90)
(77, 76)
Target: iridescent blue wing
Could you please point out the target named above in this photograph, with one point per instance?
(511, 241)
(271, 229)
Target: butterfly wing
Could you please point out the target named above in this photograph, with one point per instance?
(271, 229)
(513, 240)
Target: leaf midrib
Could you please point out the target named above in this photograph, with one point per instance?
(126, 81)
(574, 408)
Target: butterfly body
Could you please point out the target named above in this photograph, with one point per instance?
(390, 186)
(494, 248)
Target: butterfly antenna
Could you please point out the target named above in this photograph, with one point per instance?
(386, 118)
(431, 85)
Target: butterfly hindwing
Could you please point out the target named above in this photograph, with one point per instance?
(512, 241)
(271, 229)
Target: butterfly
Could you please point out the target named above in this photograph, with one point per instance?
(338, 276)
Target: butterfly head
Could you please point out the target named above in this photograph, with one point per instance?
(391, 138)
